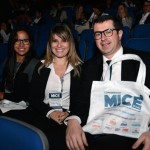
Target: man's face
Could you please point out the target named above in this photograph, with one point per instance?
(146, 7)
(111, 44)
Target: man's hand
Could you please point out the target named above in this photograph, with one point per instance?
(75, 136)
(143, 139)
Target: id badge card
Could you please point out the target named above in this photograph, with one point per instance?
(55, 100)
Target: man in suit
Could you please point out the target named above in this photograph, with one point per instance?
(107, 33)
(145, 16)
(38, 19)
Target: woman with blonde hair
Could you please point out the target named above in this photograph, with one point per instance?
(54, 84)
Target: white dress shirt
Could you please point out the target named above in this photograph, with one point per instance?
(116, 68)
(55, 84)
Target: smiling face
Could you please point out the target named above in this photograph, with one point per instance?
(59, 47)
(108, 45)
(22, 44)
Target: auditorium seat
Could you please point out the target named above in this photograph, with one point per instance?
(142, 44)
(141, 31)
(18, 135)
(87, 44)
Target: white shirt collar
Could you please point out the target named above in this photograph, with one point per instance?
(118, 53)
(51, 66)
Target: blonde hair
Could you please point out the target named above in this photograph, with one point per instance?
(64, 32)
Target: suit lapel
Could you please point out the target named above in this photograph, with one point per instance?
(44, 77)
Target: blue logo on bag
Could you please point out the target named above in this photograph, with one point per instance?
(116, 99)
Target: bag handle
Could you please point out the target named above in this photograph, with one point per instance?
(142, 69)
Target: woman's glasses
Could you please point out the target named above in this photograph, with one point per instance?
(24, 41)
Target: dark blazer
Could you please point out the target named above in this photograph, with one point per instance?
(138, 18)
(38, 85)
(147, 20)
(92, 71)
(21, 82)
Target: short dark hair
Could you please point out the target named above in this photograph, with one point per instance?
(106, 17)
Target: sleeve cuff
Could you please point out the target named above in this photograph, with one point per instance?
(49, 112)
(72, 117)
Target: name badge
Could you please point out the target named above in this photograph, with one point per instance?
(55, 95)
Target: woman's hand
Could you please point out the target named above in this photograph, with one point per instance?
(1, 95)
(75, 136)
(58, 116)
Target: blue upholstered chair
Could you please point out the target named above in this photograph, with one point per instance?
(142, 44)
(82, 49)
(141, 31)
(75, 34)
(87, 44)
(126, 35)
(18, 135)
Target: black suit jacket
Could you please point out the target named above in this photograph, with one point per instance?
(147, 20)
(38, 86)
(92, 71)
(138, 18)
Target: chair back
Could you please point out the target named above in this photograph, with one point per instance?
(141, 44)
(141, 31)
(87, 44)
(18, 135)
(126, 35)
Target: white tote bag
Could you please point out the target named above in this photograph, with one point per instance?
(120, 107)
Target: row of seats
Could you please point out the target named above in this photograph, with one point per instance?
(138, 38)
(141, 44)
(139, 31)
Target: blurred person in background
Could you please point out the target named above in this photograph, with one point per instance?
(79, 17)
(38, 18)
(5, 31)
(123, 15)
(61, 12)
(97, 11)
(145, 18)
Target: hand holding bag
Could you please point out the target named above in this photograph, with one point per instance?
(120, 107)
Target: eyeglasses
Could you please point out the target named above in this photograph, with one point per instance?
(24, 41)
(107, 33)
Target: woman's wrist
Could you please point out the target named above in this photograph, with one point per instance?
(1, 95)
